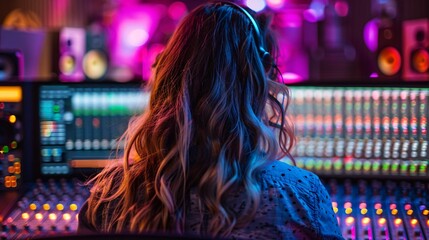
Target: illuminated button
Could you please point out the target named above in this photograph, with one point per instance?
(334, 204)
(60, 207)
(73, 207)
(17, 166)
(413, 168)
(358, 165)
(309, 164)
(398, 222)
(385, 167)
(379, 211)
(362, 205)
(39, 216)
(410, 212)
(335, 209)
(33, 206)
(348, 210)
(423, 168)
(319, 164)
(7, 182)
(394, 211)
(46, 206)
(395, 167)
(349, 166)
(392, 206)
(13, 144)
(377, 205)
(347, 205)
(350, 220)
(67, 216)
(407, 206)
(427, 222)
(12, 118)
(52, 216)
(338, 165)
(25, 216)
(376, 166)
(327, 165)
(425, 212)
(414, 222)
(364, 211)
(381, 222)
(367, 166)
(366, 221)
(11, 169)
(404, 168)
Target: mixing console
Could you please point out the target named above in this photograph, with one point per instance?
(80, 126)
(368, 144)
(381, 209)
(11, 134)
(49, 208)
(370, 209)
(359, 131)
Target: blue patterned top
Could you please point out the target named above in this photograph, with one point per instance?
(294, 205)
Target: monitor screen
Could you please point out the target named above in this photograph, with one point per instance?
(80, 124)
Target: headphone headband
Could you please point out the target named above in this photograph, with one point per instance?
(251, 19)
(266, 58)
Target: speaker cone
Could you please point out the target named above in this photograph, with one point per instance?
(389, 61)
(420, 60)
(95, 64)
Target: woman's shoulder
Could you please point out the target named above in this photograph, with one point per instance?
(277, 170)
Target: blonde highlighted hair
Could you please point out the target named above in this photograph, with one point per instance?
(206, 128)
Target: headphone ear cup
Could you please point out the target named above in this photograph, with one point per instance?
(267, 60)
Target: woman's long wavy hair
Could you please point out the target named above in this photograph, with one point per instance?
(214, 117)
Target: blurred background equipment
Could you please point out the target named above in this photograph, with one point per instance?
(71, 50)
(416, 49)
(11, 65)
(11, 136)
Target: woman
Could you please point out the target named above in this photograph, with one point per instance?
(202, 159)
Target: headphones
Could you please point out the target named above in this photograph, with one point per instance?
(265, 56)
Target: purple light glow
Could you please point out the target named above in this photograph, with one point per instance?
(373, 75)
(315, 12)
(370, 34)
(177, 10)
(341, 8)
(289, 19)
(132, 29)
(275, 4)
(290, 77)
(151, 52)
(134, 34)
(256, 5)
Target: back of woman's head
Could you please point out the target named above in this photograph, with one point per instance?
(206, 127)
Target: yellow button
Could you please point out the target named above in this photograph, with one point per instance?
(46, 206)
(73, 207)
(33, 206)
